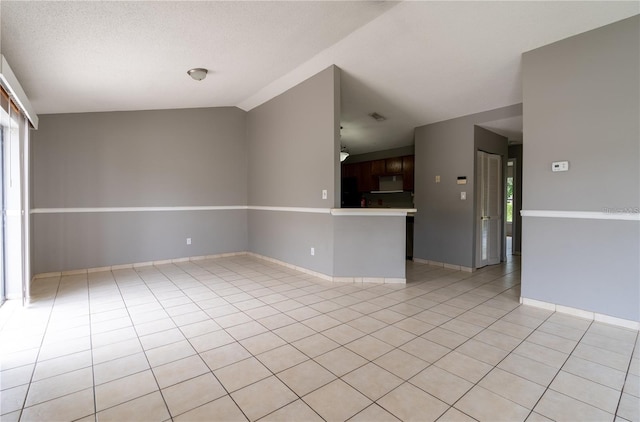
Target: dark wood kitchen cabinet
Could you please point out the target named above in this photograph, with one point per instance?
(366, 180)
(407, 172)
(378, 167)
(393, 166)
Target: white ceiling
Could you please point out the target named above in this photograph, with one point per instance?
(414, 62)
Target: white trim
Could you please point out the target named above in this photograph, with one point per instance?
(187, 208)
(10, 83)
(372, 212)
(135, 209)
(290, 209)
(581, 313)
(585, 215)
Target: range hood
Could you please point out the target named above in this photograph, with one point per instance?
(389, 184)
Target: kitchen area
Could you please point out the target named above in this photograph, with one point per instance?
(383, 183)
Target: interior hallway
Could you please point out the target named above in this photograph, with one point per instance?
(239, 338)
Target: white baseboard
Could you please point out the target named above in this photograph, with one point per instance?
(581, 313)
(444, 265)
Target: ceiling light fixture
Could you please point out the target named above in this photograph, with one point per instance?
(377, 117)
(343, 153)
(198, 73)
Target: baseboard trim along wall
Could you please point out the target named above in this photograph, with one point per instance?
(607, 319)
(444, 265)
(376, 280)
(622, 214)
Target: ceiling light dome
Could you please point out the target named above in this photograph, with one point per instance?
(198, 73)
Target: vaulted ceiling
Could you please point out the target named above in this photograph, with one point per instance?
(413, 62)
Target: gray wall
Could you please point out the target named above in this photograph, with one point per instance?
(444, 224)
(194, 157)
(369, 246)
(581, 99)
(293, 155)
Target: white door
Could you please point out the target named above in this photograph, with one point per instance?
(489, 209)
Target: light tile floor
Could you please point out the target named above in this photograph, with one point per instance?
(240, 338)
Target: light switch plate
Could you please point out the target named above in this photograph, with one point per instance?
(463, 195)
(437, 179)
(324, 194)
(560, 166)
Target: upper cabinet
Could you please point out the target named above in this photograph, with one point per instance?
(368, 172)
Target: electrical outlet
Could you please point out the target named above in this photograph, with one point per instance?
(188, 240)
(437, 179)
(313, 251)
(324, 194)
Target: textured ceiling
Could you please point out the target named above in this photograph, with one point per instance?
(413, 62)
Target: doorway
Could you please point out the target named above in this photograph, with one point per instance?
(489, 209)
(510, 220)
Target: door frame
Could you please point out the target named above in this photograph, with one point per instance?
(501, 236)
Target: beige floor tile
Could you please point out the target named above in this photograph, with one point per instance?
(116, 350)
(445, 338)
(629, 407)
(587, 391)
(464, 366)
(11, 416)
(241, 374)
(425, 349)
(115, 336)
(441, 384)
(482, 404)
(263, 397)
(388, 316)
(369, 347)
(293, 332)
(118, 368)
(58, 349)
(293, 412)
(541, 354)
(343, 334)
(366, 324)
(321, 322)
(14, 360)
(557, 406)
(180, 397)
(224, 355)
(16, 376)
(154, 326)
(12, 399)
(315, 345)
(528, 369)
(499, 340)
(262, 343)
(454, 415)
(124, 389)
(246, 330)
(401, 363)
(336, 401)
(233, 319)
(169, 353)
(552, 341)
(60, 385)
(536, 417)
(179, 370)
(393, 336)
(162, 338)
(372, 381)
(374, 413)
(340, 361)
(482, 351)
(282, 358)
(463, 328)
(211, 340)
(632, 385)
(595, 372)
(223, 408)
(148, 408)
(513, 387)
(306, 377)
(70, 407)
(276, 321)
(602, 356)
(409, 403)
